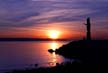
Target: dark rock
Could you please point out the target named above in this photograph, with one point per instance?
(51, 51)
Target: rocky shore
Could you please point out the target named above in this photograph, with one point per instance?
(88, 52)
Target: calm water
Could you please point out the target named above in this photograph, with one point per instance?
(18, 55)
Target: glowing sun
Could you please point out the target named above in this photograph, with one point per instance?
(53, 34)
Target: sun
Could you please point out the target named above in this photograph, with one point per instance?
(53, 34)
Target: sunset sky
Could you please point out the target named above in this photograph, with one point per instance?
(35, 18)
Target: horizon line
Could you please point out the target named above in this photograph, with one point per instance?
(32, 39)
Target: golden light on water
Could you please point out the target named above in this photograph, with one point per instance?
(54, 45)
(54, 60)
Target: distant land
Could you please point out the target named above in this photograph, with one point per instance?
(31, 39)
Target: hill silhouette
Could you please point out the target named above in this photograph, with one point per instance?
(88, 52)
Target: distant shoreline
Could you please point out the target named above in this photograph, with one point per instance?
(31, 39)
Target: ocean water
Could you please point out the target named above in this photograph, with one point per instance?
(21, 55)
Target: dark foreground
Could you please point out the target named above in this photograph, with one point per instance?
(60, 68)
(88, 52)
(68, 67)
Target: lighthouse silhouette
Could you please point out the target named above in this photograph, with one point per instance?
(88, 27)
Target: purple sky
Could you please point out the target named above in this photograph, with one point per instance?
(19, 17)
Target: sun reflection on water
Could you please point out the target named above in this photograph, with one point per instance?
(54, 45)
(54, 60)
